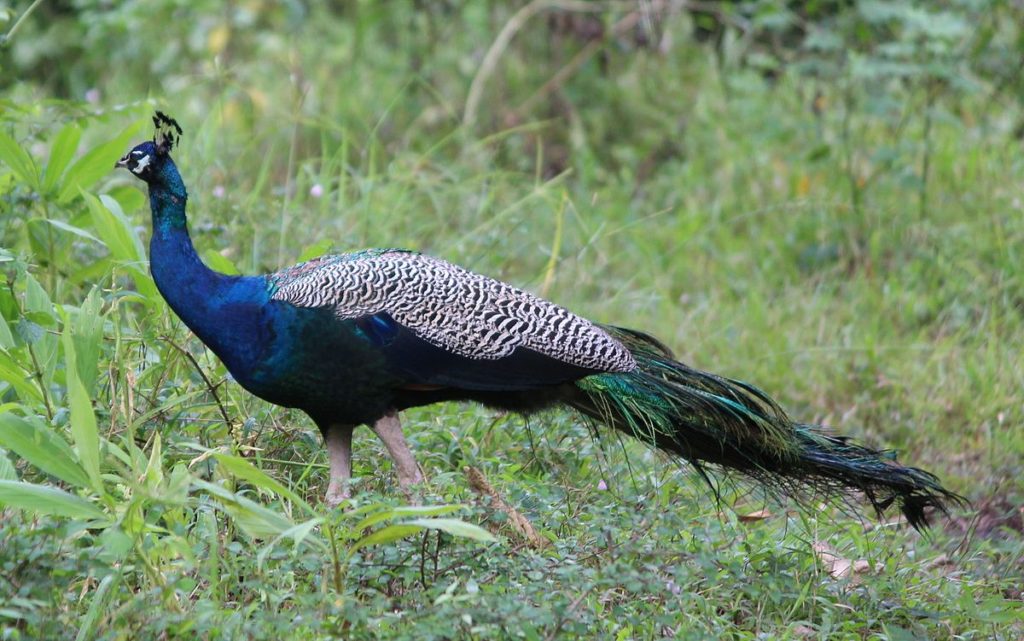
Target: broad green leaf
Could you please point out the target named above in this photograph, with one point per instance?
(83, 419)
(118, 453)
(175, 490)
(216, 491)
(217, 262)
(36, 298)
(16, 376)
(113, 230)
(40, 310)
(299, 534)
(401, 512)
(256, 520)
(87, 335)
(64, 146)
(77, 231)
(6, 338)
(130, 196)
(7, 472)
(243, 469)
(41, 447)
(154, 475)
(455, 527)
(20, 162)
(114, 208)
(316, 250)
(116, 233)
(96, 163)
(41, 499)
(386, 535)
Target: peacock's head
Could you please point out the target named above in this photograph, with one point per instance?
(146, 159)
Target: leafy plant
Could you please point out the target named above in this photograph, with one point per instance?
(821, 200)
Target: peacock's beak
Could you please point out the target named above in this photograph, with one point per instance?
(122, 163)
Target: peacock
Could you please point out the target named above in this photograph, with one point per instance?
(354, 339)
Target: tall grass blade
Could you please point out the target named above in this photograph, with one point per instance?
(49, 501)
(96, 163)
(41, 447)
(65, 144)
(243, 469)
(15, 157)
(83, 419)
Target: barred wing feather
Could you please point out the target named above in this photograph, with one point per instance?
(464, 313)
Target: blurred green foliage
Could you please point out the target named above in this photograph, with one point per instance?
(819, 197)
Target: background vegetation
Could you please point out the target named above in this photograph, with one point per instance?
(822, 198)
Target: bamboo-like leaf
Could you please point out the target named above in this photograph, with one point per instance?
(87, 335)
(15, 376)
(6, 337)
(386, 535)
(114, 207)
(42, 499)
(112, 230)
(317, 249)
(7, 472)
(243, 469)
(406, 511)
(217, 262)
(299, 534)
(83, 419)
(39, 309)
(256, 520)
(39, 446)
(96, 163)
(36, 298)
(154, 474)
(71, 229)
(64, 146)
(455, 527)
(19, 160)
(116, 233)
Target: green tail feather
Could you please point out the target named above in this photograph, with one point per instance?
(710, 420)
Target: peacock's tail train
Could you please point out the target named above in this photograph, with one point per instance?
(711, 420)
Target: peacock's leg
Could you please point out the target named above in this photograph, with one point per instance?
(389, 430)
(339, 455)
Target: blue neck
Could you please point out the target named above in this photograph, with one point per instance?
(167, 197)
(215, 306)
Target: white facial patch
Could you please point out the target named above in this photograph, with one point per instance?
(142, 164)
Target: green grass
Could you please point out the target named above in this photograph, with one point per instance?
(797, 248)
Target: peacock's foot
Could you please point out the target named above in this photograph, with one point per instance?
(337, 493)
(339, 454)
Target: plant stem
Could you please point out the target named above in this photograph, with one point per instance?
(926, 161)
(14, 28)
(41, 381)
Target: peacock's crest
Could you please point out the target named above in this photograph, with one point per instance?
(167, 133)
(144, 158)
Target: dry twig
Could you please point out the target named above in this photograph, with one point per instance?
(519, 522)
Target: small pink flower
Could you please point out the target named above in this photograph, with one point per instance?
(218, 191)
(316, 190)
(601, 485)
(92, 96)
